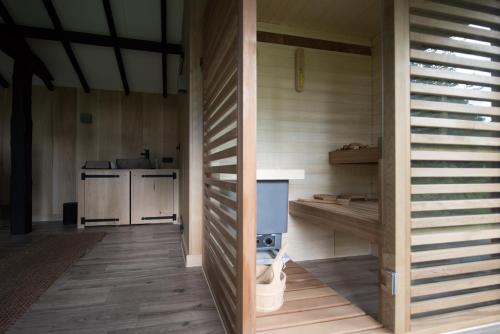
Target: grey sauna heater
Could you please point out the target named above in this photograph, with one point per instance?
(272, 213)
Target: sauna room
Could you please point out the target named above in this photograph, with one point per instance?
(319, 123)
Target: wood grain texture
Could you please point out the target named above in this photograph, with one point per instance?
(455, 225)
(153, 196)
(61, 144)
(133, 281)
(297, 130)
(395, 248)
(313, 311)
(229, 149)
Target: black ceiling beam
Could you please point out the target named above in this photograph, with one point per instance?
(3, 82)
(15, 46)
(98, 40)
(118, 53)
(164, 42)
(67, 47)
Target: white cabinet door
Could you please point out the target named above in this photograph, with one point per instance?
(106, 197)
(153, 196)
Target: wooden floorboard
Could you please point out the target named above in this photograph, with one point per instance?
(313, 308)
(134, 281)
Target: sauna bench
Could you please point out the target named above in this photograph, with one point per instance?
(313, 307)
(360, 218)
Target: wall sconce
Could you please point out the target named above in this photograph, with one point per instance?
(299, 70)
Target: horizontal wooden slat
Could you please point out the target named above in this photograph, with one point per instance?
(442, 323)
(453, 60)
(453, 44)
(343, 326)
(454, 234)
(309, 293)
(454, 285)
(226, 185)
(229, 202)
(308, 304)
(459, 108)
(431, 73)
(225, 217)
(223, 139)
(434, 122)
(459, 29)
(454, 140)
(455, 269)
(223, 169)
(231, 118)
(222, 110)
(485, 5)
(454, 253)
(224, 154)
(227, 90)
(222, 224)
(437, 90)
(454, 155)
(227, 245)
(455, 188)
(454, 301)
(455, 172)
(307, 317)
(225, 269)
(417, 223)
(455, 204)
(466, 14)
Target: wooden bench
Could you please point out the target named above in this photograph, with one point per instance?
(360, 218)
(313, 307)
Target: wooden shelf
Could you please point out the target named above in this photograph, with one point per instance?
(368, 155)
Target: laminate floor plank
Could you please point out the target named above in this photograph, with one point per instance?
(133, 281)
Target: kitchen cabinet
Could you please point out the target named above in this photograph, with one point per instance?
(124, 197)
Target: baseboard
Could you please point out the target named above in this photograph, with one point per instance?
(189, 259)
(193, 260)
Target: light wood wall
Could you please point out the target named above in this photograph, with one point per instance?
(191, 153)
(297, 130)
(122, 127)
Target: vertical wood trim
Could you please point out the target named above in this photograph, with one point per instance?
(396, 154)
(247, 139)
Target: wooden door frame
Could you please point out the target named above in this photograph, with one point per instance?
(396, 177)
(247, 167)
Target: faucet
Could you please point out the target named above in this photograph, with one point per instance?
(145, 154)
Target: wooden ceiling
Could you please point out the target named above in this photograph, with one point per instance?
(347, 17)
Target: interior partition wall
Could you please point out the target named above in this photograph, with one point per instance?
(446, 228)
(229, 168)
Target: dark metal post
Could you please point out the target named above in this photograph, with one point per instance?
(20, 145)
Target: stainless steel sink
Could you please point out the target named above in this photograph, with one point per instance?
(139, 163)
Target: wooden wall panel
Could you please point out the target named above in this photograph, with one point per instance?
(64, 151)
(451, 248)
(297, 130)
(191, 150)
(229, 116)
(42, 154)
(61, 144)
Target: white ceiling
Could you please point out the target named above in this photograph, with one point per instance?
(138, 19)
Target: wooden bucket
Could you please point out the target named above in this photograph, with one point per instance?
(271, 283)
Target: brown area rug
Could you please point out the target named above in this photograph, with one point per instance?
(26, 273)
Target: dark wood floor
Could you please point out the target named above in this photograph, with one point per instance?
(134, 281)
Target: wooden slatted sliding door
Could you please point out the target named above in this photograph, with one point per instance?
(455, 163)
(229, 94)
